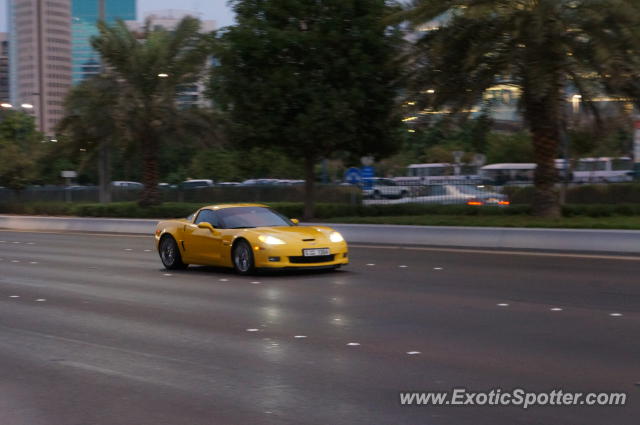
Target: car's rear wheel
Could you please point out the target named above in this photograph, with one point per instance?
(243, 261)
(170, 254)
(377, 195)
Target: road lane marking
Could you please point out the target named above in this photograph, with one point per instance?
(437, 268)
(14, 296)
(300, 336)
(40, 300)
(253, 330)
(168, 274)
(556, 309)
(255, 282)
(371, 264)
(402, 266)
(616, 315)
(224, 280)
(353, 344)
(413, 353)
(503, 305)
(501, 252)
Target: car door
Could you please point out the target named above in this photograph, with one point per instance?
(204, 246)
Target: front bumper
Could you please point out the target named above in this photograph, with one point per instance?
(283, 257)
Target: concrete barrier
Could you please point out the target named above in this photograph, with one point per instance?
(614, 241)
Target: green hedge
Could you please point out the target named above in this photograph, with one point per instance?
(615, 193)
(295, 209)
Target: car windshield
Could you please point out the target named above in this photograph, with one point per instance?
(471, 190)
(247, 217)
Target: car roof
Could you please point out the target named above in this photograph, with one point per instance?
(224, 206)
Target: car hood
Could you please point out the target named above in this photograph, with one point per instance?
(292, 234)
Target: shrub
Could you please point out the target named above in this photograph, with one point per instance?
(614, 193)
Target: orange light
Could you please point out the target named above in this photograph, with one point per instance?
(504, 203)
(474, 203)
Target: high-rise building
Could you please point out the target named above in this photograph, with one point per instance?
(86, 13)
(4, 67)
(40, 58)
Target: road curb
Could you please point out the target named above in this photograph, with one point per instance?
(614, 241)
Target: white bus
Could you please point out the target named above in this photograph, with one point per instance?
(586, 170)
(603, 170)
(439, 173)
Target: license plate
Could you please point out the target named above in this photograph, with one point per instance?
(315, 252)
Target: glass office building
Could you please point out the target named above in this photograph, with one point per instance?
(85, 15)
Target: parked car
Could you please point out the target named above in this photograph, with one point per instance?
(385, 188)
(127, 185)
(260, 182)
(228, 184)
(196, 183)
(80, 187)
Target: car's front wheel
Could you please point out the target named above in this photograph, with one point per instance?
(243, 262)
(170, 254)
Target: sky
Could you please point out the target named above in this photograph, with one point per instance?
(216, 10)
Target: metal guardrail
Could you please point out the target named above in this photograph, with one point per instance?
(608, 241)
(392, 193)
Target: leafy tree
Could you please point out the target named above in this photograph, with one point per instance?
(310, 76)
(93, 116)
(17, 169)
(542, 47)
(515, 147)
(149, 68)
(19, 149)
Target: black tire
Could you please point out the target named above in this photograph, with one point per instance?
(242, 256)
(404, 194)
(170, 254)
(377, 195)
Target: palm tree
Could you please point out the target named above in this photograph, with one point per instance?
(543, 47)
(150, 67)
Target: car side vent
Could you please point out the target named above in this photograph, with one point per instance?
(308, 240)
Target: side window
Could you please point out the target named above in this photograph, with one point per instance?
(208, 216)
(437, 191)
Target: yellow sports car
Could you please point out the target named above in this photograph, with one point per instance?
(247, 237)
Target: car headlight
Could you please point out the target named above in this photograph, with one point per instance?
(336, 237)
(271, 240)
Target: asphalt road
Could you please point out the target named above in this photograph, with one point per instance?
(94, 332)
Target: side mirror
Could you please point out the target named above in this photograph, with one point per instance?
(295, 221)
(205, 225)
